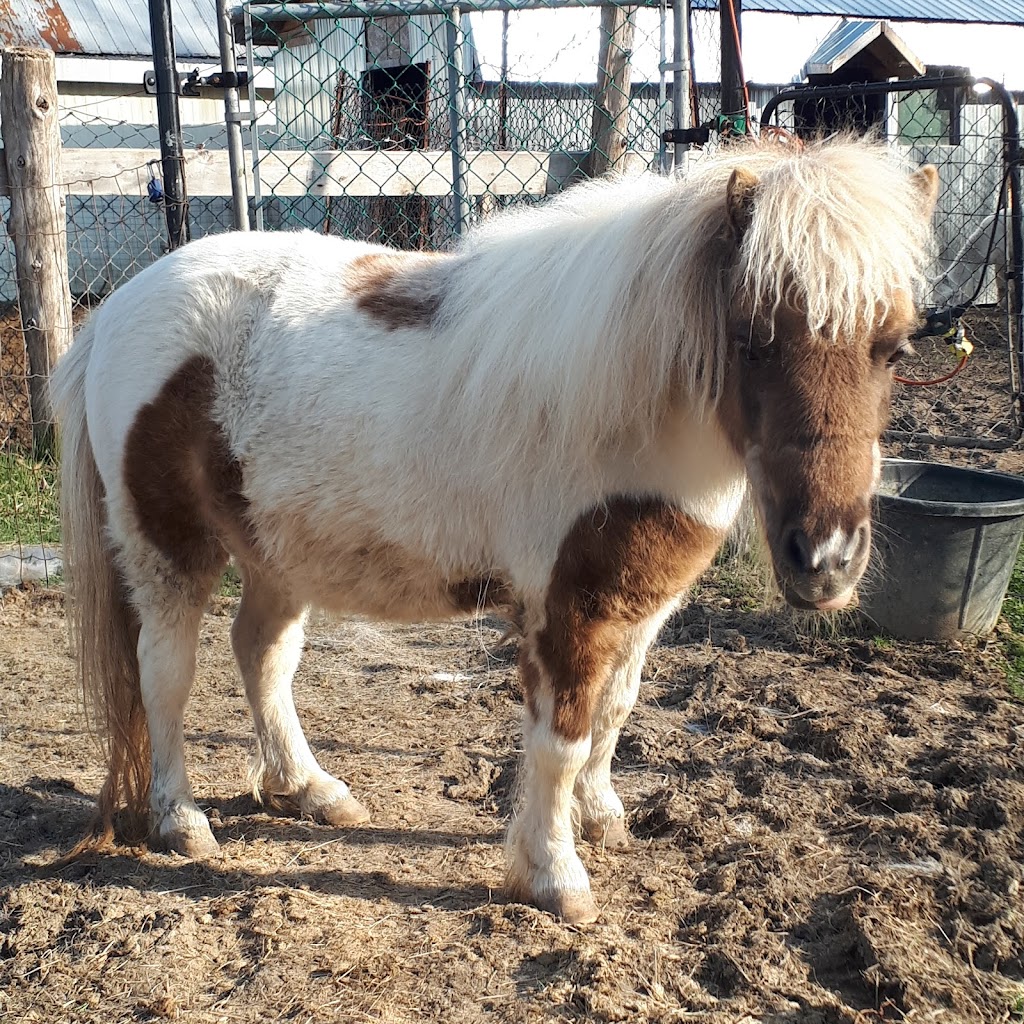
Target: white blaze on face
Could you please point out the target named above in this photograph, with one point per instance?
(831, 550)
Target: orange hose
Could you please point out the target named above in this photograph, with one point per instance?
(938, 380)
(739, 59)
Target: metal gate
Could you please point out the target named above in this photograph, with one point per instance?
(969, 129)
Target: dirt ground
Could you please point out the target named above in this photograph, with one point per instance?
(976, 404)
(827, 829)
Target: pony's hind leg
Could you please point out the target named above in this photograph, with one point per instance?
(602, 816)
(267, 639)
(168, 636)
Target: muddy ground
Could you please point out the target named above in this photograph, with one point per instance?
(828, 828)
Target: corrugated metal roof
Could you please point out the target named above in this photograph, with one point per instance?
(849, 38)
(850, 35)
(980, 12)
(107, 28)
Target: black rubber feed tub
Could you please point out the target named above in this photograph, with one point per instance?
(946, 540)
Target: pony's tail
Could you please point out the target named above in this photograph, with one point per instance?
(104, 627)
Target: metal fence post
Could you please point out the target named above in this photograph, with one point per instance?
(680, 78)
(236, 160)
(457, 117)
(172, 151)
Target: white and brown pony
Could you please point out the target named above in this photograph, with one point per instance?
(558, 421)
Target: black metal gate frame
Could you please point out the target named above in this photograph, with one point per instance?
(1011, 181)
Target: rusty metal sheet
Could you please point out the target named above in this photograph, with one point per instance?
(106, 28)
(39, 23)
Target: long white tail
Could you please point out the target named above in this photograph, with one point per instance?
(104, 627)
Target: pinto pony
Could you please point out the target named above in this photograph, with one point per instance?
(558, 421)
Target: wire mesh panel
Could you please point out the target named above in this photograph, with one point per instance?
(404, 129)
(967, 132)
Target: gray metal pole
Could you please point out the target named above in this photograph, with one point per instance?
(302, 12)
(457, 117)
(236, 159)
(681, 78)
(172, 151)
(254, 132)
(503, 86)
(663, 165)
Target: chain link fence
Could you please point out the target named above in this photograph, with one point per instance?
(115, 227)
(406, 130)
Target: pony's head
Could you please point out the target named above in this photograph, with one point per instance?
(828, 249)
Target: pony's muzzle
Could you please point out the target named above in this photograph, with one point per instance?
(821, 573)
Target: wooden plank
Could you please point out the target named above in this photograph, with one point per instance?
(38, 221)
(356, 173)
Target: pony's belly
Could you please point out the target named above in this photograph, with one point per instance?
(362, 573)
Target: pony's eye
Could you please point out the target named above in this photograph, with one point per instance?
(752, 353)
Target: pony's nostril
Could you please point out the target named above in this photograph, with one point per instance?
(798, 551)
(857, 546)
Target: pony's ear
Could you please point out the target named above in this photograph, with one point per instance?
(739, 200)
(926, 181)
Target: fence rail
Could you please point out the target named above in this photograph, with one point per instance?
(360, 173)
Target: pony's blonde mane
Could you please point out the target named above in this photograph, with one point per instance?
(623, 294)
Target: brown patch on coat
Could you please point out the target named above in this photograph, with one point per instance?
(531, 677)
(617, 566)
(183, 478)
(398, 290)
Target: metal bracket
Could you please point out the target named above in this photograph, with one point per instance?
(190, 84)
(240, 115)
(687, 136)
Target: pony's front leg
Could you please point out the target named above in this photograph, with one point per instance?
(544, 868)
(602, 816)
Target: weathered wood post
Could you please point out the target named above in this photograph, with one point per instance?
(611, 98)
(38, 224)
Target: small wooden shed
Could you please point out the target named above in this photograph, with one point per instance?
(855, 52)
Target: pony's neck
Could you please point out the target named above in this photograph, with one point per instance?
(585, 316)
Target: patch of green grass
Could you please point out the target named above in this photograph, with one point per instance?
(1016, 1007)
(230, 583)
(882, 643)
(1012, 642)
(29, 508)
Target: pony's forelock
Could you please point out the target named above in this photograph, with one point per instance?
(838, 233)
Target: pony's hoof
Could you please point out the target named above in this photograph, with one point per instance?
(342, 813)
(607, 833)
(194, 843)
(573, 907)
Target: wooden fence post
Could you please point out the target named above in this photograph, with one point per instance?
(38, 223)
(611, 97)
